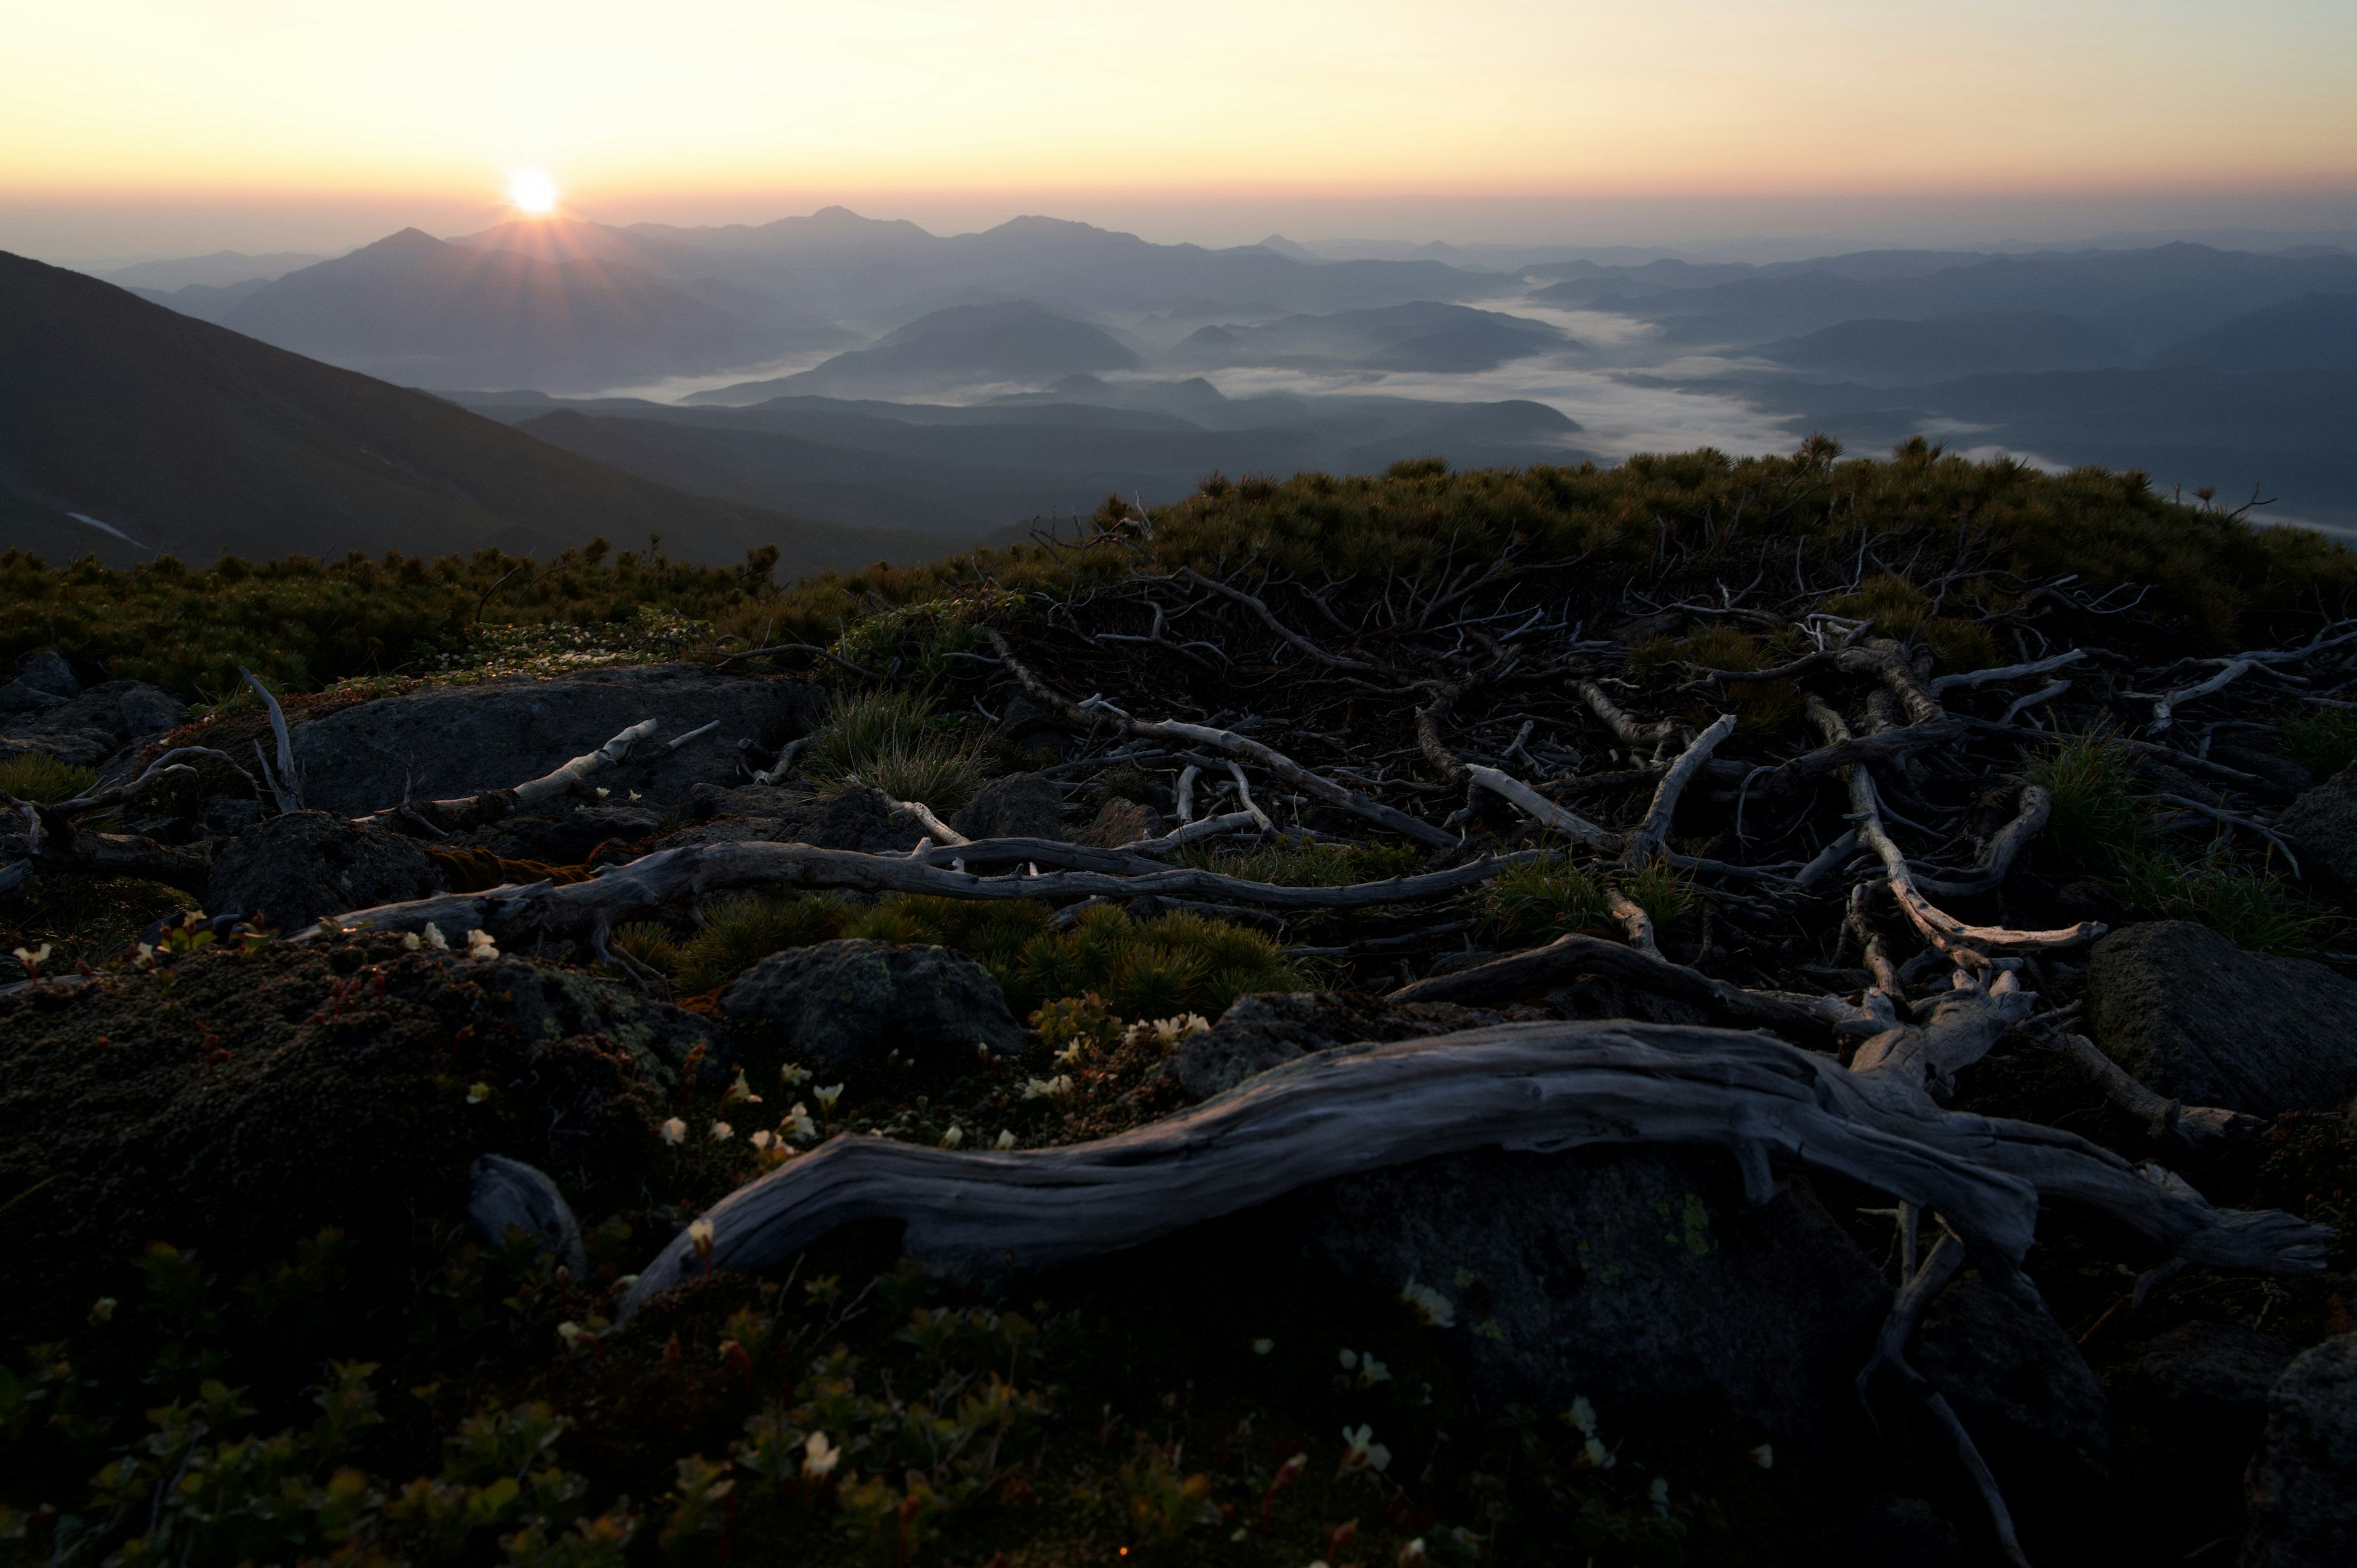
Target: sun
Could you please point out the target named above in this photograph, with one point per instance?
(532, 192)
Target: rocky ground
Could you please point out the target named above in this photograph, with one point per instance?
(362, 1097)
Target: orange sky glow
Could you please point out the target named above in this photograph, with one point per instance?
(731, 110)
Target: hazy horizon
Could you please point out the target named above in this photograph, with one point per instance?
(1706, 125)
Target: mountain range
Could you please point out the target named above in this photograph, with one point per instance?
(126, 429)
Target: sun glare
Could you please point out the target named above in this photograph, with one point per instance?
(532, 192)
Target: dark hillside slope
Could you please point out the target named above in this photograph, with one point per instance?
(193, 440)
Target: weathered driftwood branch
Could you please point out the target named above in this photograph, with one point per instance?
(2163, 707)
(1789, 778)
(574, 775)
(2194, 1126)
(1541, 809)
(284, 786)
(1887, 661)
(1972, 678)
(586, 910)
(1810, 1018)
(466, 811)
(1286, 634)
(1939, 928)
(2183, 804)
(1635, 921)
(1539, 1086)
(942, 833)
(1654, 833)
(53, 840)
(1314, 784)
(1642, 740)
(2004, 847)
(1907, 1307)
(166, 766)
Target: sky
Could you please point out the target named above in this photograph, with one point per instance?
(143, 128)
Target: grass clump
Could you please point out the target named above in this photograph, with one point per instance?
(1150, 969)
(1959, 645)
(2098, 826)
(36, 777)
(894, 741)
(2322, 740)
(2257, 910)
(738, 933)
(1760, 707)
(1541, 902)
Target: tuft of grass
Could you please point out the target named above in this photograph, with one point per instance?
(2098, 826)
(2322, 740)
(2257, 910)
(1659, 889)
(741, 932)
(1760, 707)
(1959, 645)
(1545, 901)
(896, 742)
(1896, 605)
(1150, 969)
(32, 776)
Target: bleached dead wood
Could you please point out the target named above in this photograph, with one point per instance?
(2163, 707)
(1815, 1019)
(1314, 784)
(2195, 1126)
(1972, 678)
(1642, 740)
(285, 788)
(1887, 661)
(1939, 928)
(1655, 831)
(1537, 1087)
(2034, 809)
(466, 811)
(1633, 919)
(588, 910)
(1541, 810)
(942, 833)
(574, 775)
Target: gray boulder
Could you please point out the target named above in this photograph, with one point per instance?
(1023, 807)
(1270, 1028)
(1634, 1277)
(46, 682)
(2281, 772)
(2034, 1409)
(463, 740)
(1120, 823)
(2303, 1485)
(847, 1004)
(2323, 824)
(2200, 1020)
(568, 836)
(859, 818)
(2188, 1410)
(298, 867)
(88, 728)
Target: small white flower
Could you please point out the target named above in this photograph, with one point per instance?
(721, 1132)
(1412, 1553)
(1005, 1139)
(793, 1076)
(634, 797)
(827, 1095)
(1363, 1453)
(570, 1333)
(762, 1140)
(673, 1131)
(1054, 1088)
(1660, 1493)
(409, 940)
(699, 1236)
(32, 958)
(1764, 1456)
(102, 1309)
(740, 1092)
(1350, 1361)
(1436, 1309)
(1372, 1371)
(1596, 1456)
(954, 1137)
(819, 1457)
(477, 1093)
(1581, 1414)
(1070, 1055)
(480, 945)
(1173, 1029)
(799, 1120)
(603, 793)
(435, 938)
(1262, 1347)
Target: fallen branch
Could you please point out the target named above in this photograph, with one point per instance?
(1647, 842)
(1541, 1087)
(1972, 678)
(633, 891)
(284, 786)
(2193, 1126)
(2004, 847)
(1541, 809)
(1649, 740)
(1311, 784)
(1808, 1018)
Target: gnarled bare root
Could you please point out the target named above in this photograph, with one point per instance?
(1542, 1086)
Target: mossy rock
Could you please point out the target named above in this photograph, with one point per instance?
(240, 1101)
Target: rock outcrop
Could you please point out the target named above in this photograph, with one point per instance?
(843, 1005)
(2303, 1490)
(447, 741)
(2198, 1019)
(295, 868)
(1267, 1029)
(88, 728)
(2323, 824)
(1025, 806)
